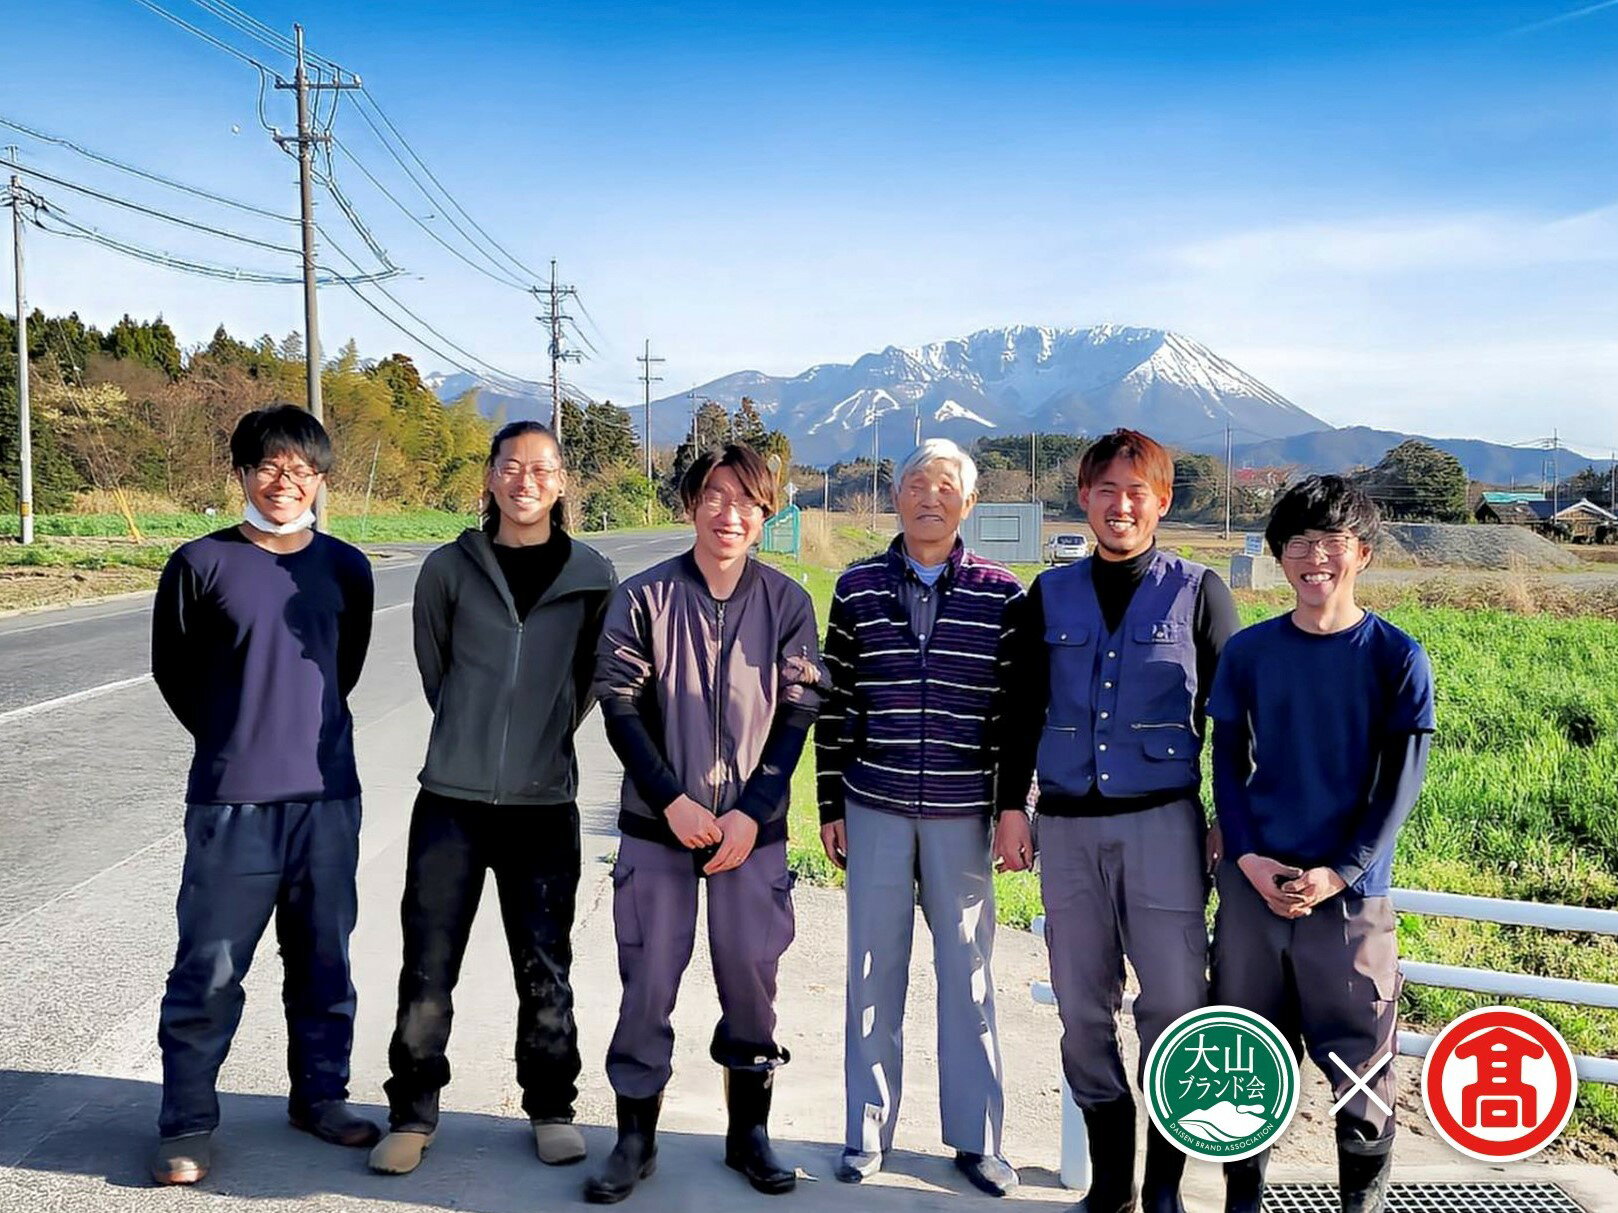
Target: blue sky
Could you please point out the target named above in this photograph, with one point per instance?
(1399, 215)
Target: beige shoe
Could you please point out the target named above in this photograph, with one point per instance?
(182, 1160)
(557, 1142)
(400, 1153)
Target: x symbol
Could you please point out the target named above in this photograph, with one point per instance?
(1361, 1083)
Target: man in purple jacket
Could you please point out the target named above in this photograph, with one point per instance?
(259, 632)
(708, 678)
(906, 763)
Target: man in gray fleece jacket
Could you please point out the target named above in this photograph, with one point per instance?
(709, 676)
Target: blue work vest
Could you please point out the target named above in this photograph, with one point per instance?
(1121, 706)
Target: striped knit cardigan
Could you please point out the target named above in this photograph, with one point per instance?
(903, 731)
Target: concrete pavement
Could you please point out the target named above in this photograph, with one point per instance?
(90, 844)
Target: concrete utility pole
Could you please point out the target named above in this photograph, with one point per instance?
(25, 447)
(647, 379)
(306, 138)
(918, 423)
(558, 354)
(1230, 480)
(1033, 465)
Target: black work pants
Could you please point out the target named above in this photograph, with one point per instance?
(533, 851)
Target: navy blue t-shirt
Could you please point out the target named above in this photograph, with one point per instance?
(256, 653)
(1320, 710)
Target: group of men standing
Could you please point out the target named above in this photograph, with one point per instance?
(962, 725)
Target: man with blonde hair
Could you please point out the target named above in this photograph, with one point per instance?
(906, 769)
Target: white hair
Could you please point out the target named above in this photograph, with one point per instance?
(932, 450)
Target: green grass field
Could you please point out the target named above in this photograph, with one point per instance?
(1521, 801)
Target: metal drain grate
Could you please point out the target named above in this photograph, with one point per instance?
(1429, 1198)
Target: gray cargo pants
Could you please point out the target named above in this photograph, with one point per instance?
(654, 914)
(890, 855)
(1129, 885)
(1330, 979)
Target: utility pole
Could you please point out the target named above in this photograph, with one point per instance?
(306, 138)
(1033, 465)
(1230, 478)
(647, 379)
(25, 449)
(558, 354)
(876, 460)
(918, 423)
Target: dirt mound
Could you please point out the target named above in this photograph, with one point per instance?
(1505, 548)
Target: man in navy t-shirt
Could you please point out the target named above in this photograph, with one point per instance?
(259, 633)
(1322, 720)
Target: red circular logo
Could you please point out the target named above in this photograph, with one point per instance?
(1499, 1084)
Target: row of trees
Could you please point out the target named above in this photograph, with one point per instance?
(126, 409)
(1413, 481)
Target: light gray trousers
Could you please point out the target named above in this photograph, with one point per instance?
(1129, 885)
(889, 857)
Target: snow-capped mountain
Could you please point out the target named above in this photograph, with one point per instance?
(1010, 379)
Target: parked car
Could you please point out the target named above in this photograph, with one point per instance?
(1065, 549)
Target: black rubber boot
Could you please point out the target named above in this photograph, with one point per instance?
(1165, 1164)
(634, 1158)
(1111, 1128)
(1363, 1180)
(1244, 1184)
(747, 1140)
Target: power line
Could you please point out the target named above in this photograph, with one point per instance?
(133, 170)
(365, 97)
(426, 193)
(203, 34)
(78, 231)
(501, 278)
(513, 380)
(150, 211)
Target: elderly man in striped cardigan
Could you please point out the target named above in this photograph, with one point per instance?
(906, 754)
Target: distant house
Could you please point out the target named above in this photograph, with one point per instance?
(1581, 522)
(1265, 482)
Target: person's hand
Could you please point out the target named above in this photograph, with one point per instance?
(1314, 886)
(1213, 846)
(739, 832)
(692, 824)
(1261, 873)
(1013, 842)
(834, 837)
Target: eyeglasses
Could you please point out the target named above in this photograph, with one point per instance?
(273, 473)
(1300, 548)
(715, 502)
(541, 472)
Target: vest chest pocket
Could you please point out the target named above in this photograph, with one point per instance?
(1072, 667)
(1168, 662)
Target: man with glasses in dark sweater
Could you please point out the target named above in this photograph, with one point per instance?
(259, 633)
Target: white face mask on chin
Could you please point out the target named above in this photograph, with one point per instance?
(255, 518)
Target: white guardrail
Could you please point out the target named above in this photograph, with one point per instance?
(1075, 1145)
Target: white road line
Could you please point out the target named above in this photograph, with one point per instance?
(6, 633)
(107, 688)
(62, 701)
(166, 839)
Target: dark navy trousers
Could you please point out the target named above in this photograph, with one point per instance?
(245, 863)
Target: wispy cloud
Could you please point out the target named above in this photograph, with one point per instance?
(1403, 244)
(1563, 18)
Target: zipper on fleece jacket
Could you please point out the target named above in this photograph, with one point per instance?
(718, 702)
(511, 700)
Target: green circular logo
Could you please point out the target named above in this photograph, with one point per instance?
(1221, 1083)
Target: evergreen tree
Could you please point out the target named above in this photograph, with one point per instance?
(747, 425)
